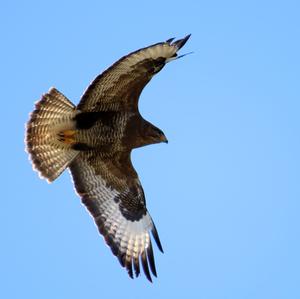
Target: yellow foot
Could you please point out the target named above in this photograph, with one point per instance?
(67, 136)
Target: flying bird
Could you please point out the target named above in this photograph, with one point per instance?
(94, 140)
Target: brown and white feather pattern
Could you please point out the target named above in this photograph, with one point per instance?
(52, 113)
(121, 216)
(95, 140)
(120, 85)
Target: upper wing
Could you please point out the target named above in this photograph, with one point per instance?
(120, 86)
(116, 201)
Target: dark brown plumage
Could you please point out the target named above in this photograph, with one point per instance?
(95, 140)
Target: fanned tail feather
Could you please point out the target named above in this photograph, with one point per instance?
(53, 114)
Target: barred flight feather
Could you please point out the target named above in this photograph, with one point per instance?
(95, 140)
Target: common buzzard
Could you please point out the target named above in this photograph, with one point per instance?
(94, 140)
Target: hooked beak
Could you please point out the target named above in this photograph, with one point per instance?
(163, 138)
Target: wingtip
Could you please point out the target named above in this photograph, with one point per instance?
(151, 261)
(182, 55)
(136, 266)
(181, 42)
(156, 238)
(170, 40)
(128, 266)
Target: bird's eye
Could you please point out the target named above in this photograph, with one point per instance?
(158, 134)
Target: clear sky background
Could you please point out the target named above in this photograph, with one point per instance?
(224, 193)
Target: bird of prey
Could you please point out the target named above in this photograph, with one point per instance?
(94, 140)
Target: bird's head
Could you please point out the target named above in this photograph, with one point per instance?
(154, 135)
(140, 132)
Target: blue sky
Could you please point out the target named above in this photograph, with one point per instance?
(224, 193)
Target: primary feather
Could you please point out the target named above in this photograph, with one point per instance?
(95, 140)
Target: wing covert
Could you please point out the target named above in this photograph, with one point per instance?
(120, 86)
(120, 214)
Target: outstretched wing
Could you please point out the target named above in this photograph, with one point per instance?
(120, 86)
(115, 198)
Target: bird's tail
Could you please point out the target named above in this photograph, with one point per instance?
(50, 134)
